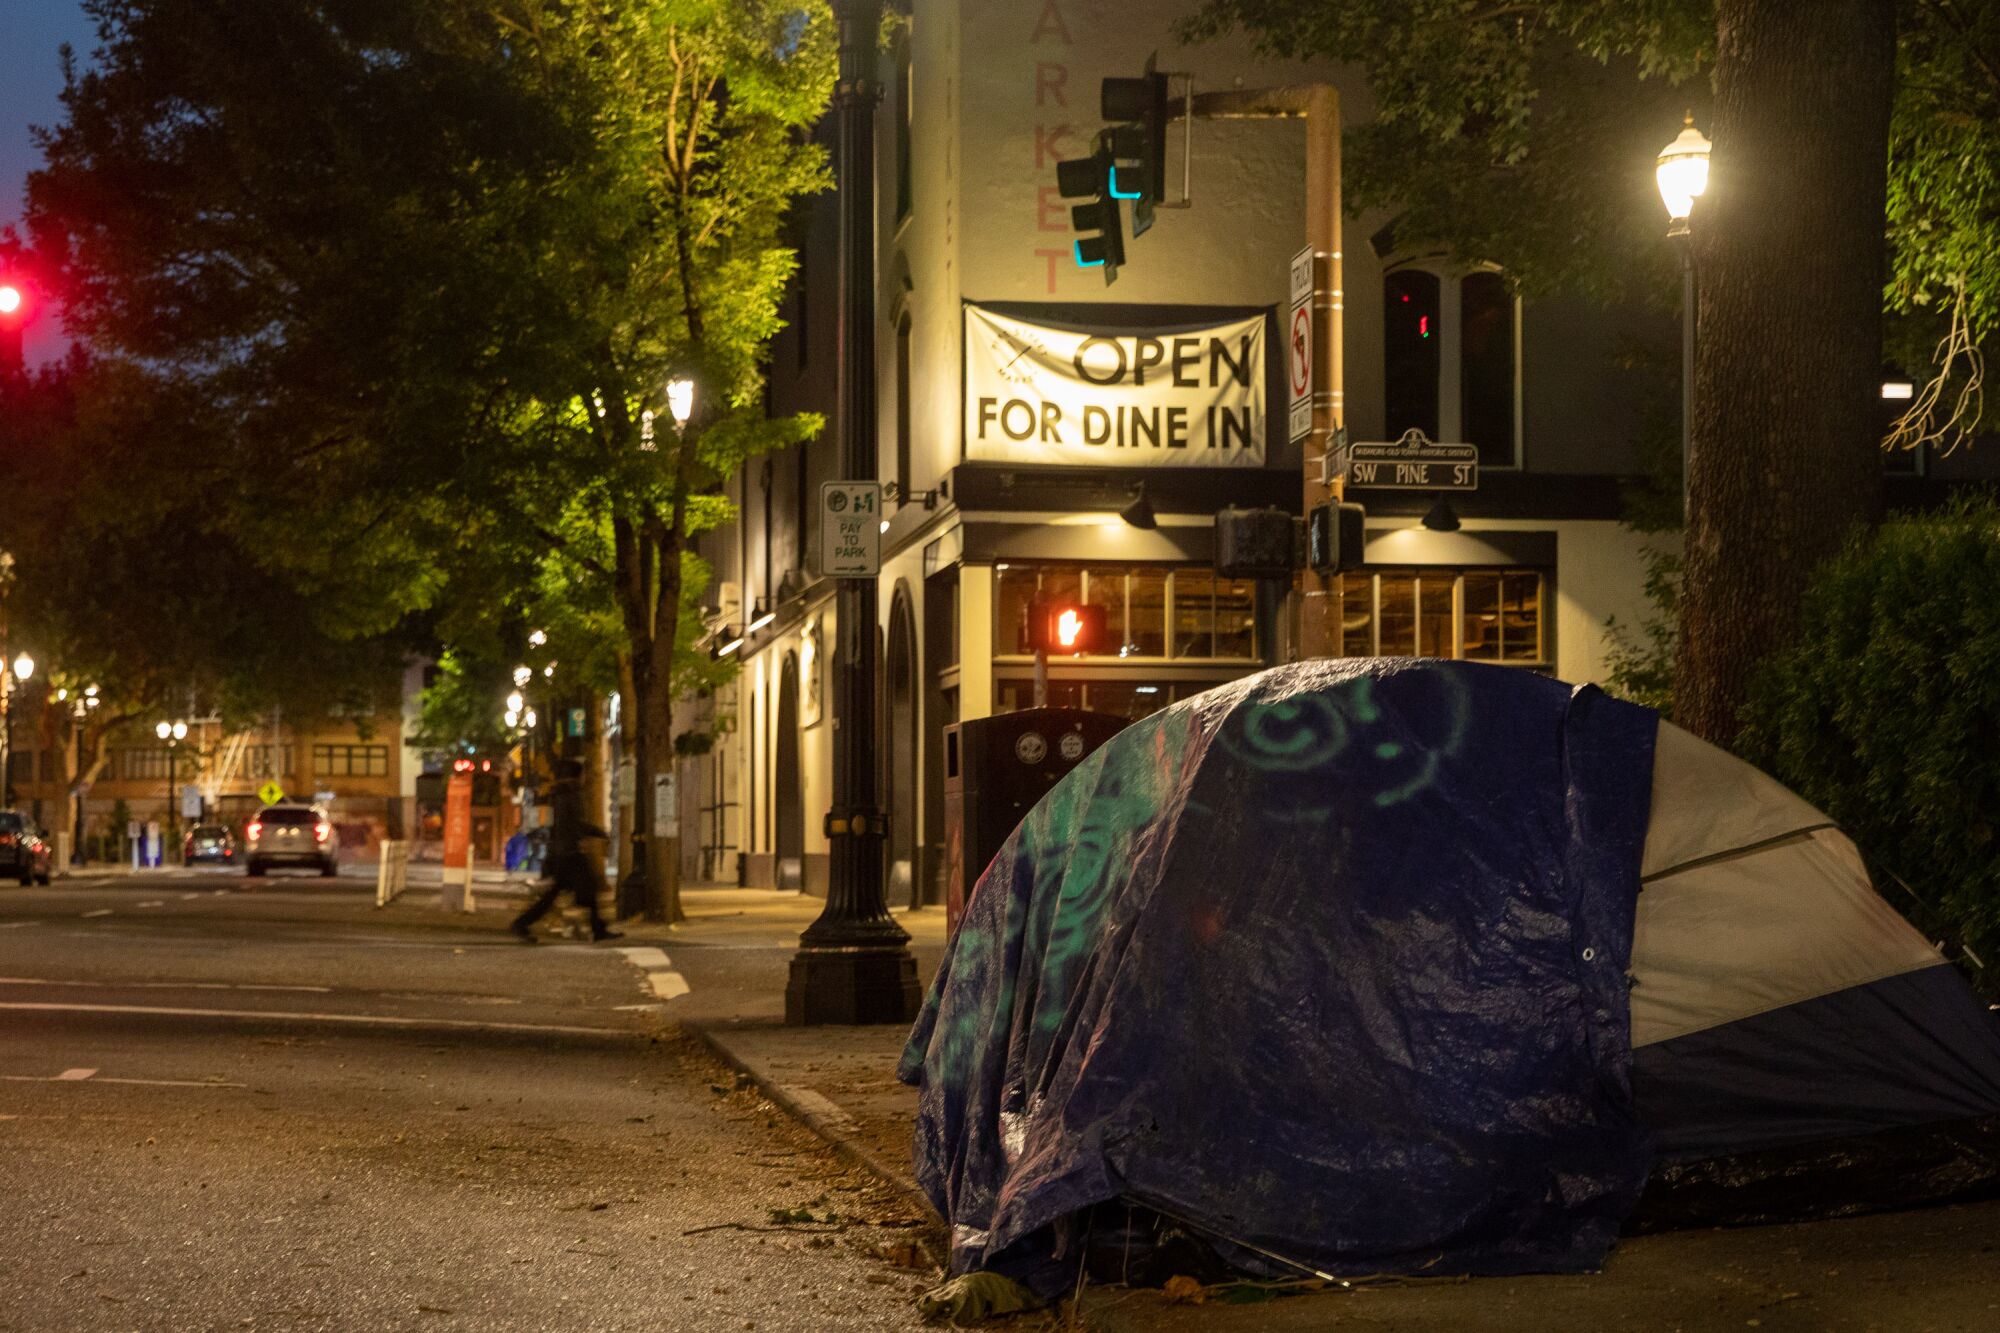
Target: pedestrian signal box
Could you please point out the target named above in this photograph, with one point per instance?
(1066, 629)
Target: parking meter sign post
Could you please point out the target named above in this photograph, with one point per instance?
(850, 529)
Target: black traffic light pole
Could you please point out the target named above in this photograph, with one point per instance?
(854, 963)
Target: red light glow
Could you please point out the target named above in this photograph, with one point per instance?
(11, 299)
(1069, 626)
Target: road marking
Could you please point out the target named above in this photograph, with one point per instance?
(155, 903)
(657, 967)
(16, 925)
(164, 985)
(102, 911)
(189, 897)
(363, 1020)
(82, 1075)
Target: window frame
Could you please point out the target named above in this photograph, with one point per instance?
(1545, 656)
(1003, 641)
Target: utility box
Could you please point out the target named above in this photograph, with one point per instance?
(995, 769)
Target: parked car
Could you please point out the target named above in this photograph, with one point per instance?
(24, 848)
(209, 842)
(290, 835)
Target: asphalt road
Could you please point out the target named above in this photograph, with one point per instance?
(228, 1104)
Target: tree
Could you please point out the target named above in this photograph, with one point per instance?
(1524, 135)
(125, 589)
(451, 252)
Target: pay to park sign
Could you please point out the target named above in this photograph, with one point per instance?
(1188, 396)
(850, 529)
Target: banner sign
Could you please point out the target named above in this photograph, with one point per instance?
(1188, 396)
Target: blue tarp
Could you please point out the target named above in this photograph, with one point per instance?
(1329, 964)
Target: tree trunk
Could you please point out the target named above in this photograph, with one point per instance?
(1789, 250)
(663, 852)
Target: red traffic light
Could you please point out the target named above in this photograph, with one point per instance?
(1066, 629)
(12, 299)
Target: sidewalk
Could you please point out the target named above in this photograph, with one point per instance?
(735, 951)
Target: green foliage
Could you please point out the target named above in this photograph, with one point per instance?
(1883, 711)
(124, 577)
(1525, 135)
(426, 267)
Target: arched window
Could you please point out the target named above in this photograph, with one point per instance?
(1449, 359)
(1486, 367)
(905, 122)
(1411, 338)
(903, 408)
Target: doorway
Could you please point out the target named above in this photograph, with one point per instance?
(905, 877)
(788, 798)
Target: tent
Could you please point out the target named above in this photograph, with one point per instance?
(1387, 965)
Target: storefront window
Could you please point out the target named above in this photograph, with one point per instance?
(1106, 588)
(1481, 615)
(1357, 615)
(1146, 596)
(1132, 699)
(1194, 613)
(1398, 593)
(1013, 592)
(1212, 618)
(1434, 615)
(1235, 618)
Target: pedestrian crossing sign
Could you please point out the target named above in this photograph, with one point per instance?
(270, 793)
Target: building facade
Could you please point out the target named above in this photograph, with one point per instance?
(1024, 403)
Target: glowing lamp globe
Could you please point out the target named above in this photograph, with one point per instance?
(1682, 172)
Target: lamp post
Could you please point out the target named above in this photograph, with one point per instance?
(854, 963)
(173, 733)
(12, 675)
(1682, 174)
(79, 715)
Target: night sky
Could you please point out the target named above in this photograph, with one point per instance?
(31, 31)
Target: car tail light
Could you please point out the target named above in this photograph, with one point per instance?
(6, 840)
(254, 831)
(322, 831)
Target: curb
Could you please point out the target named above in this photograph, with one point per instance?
(819, 1114)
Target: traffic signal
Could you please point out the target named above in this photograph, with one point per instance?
(1066, 629)
(1334, 537)
(1101, 239)
(1136, 110)
(13, 318)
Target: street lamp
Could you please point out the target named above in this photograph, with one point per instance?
(680, 401)
(23, 667)
(173, 733)
(1682, 174)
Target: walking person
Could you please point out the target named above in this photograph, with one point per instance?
(567, 868)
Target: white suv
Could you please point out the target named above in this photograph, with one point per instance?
(290, 835)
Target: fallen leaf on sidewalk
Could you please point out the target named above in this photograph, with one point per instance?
(1184, 1290)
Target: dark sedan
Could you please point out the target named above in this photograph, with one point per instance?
(209, 842)
(24, 849)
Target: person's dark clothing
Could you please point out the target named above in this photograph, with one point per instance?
(567, 826)
(568, 869)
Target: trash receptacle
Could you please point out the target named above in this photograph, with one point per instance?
(995, 769)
